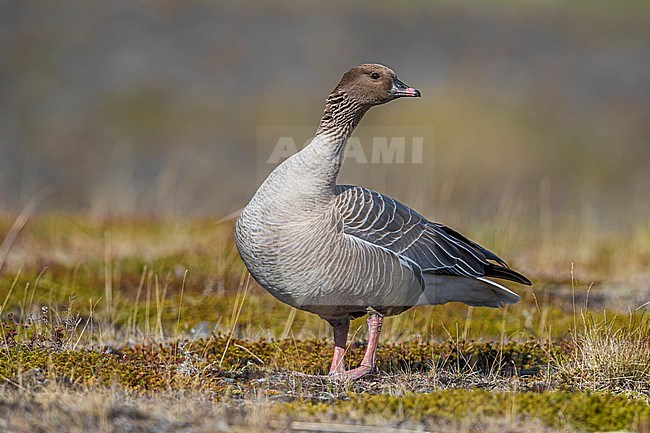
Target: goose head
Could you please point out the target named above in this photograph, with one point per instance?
(372, 84)
(361, 88)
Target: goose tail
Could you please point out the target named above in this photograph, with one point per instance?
(477, 292)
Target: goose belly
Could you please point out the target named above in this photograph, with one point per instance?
(313, 266)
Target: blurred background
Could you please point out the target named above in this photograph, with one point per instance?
(539, 111)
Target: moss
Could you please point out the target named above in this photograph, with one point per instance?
(146, 367)
(592, 412)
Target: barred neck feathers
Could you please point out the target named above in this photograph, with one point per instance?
(342, 114)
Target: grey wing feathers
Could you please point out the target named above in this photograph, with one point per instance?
(437, 249)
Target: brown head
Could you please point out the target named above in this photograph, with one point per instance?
(372, 84)
(361, 88)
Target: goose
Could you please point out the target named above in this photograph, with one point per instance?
(343, 251)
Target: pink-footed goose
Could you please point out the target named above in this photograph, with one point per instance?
(343, 251)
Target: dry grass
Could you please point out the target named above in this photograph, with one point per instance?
(110, 410)
(610, 358)
(57, 408)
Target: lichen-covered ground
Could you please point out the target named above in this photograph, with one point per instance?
(142, 325)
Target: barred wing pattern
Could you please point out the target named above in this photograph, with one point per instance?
(437, 249)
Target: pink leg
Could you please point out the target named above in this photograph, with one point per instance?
(340, 339)
(368, 363)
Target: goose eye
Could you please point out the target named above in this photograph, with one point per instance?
(375, 76)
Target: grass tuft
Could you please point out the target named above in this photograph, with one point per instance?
(610, 357)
